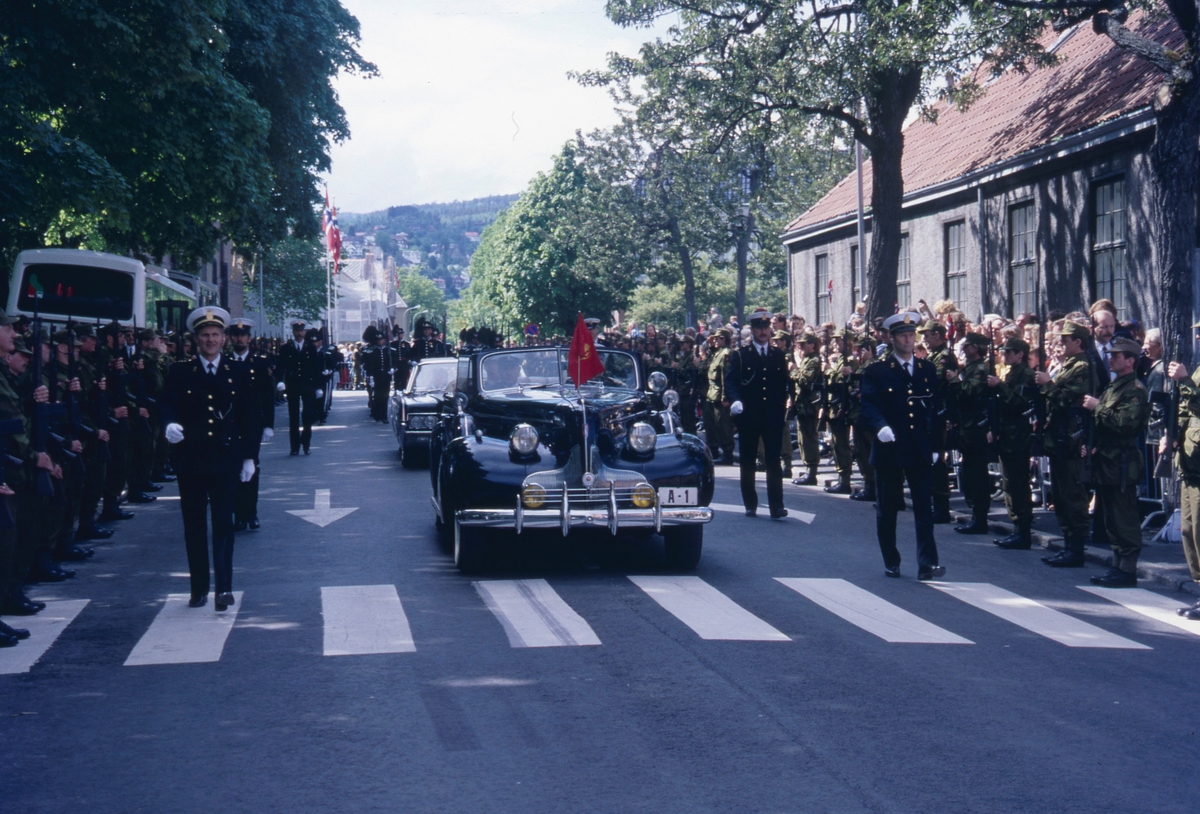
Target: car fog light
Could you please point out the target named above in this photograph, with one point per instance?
(642, 438)
(533, 496)
(670, 399)
(657, 382)
(643, 496)
(524, 439)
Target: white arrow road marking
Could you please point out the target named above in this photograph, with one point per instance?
(320, 514)
(804, 517)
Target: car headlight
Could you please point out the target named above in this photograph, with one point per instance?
(422, 422)
(643, 496)
(670, 399)
(524, 439)
(642, 438)
(658, 382)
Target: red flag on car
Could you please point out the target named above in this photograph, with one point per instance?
(583, 362)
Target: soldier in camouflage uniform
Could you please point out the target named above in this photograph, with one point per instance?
(975, 433)
(808, 387)
(687, 383)
(718, 424)
(1014, 398)
(783, 341)
(933, 336)
(864, 436)
(837, 408)
(1187, 464)
(1121, 415)
(1066, 429)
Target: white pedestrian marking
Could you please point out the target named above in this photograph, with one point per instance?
(1156, 606)
(183, 635)
(870, 612)
(43, 629)
(803, 517)
(1035, 617)
(321, 514)
(364, 619)
(706, 610)
(534, 615)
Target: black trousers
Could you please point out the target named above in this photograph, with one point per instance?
(976, 485)
(245, 507)
(889, 496)
(379, 400)
(198, 495)
(751, 430)
(302, 412)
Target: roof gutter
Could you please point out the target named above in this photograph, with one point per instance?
(1110, 131)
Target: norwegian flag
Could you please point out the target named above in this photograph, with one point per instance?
(333, 237)
(829, 291)
(326, 215)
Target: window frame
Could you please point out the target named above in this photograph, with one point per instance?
(955, 276)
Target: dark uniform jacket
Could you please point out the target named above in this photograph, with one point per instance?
(972, 396)
(759, 382)
(262, 386)
(1015, 399)
(220, 418)
(1121, 417)
(300, 367)
(891, 398)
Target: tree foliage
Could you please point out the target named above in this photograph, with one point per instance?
(294, 280)
(159, 127)
(421, 294)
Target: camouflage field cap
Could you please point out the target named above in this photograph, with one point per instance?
(1014, 344)
(978, 340)
(1127, 346)
(1074, 329)
(932, 326)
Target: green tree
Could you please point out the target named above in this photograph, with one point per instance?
(294, 280)
(736, 68)
(421, 294)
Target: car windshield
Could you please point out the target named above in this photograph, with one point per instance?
(547, 367)
(431, 377)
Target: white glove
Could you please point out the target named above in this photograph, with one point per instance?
(736, 408)
(885, 435)
(326, 373)
(247, 470)
(268, 434)
(936, 455)
(320, 394)
(174, 433)
(281, 387)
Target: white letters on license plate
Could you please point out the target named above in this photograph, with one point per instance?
(674, 496)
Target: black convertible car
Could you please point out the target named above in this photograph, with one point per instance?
(415, 411)
(520, 447)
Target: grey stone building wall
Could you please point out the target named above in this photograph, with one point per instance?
(1062, 193)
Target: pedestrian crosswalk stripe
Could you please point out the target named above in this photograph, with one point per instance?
(183, 635)
(1156, 606)
(1034, 616)
(43, 629)
(870, 612)
(534, 615)
(707, 611)
(364, 620)
(803, 517)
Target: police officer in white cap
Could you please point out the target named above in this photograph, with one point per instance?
(215, 428)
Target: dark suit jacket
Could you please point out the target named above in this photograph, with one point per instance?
(262, 386)
(299, 368)
(890, 398)
(219, 415)
(759, 383)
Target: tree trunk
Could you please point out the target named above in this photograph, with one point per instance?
(689, 274)
(887, 109)
(743, 258)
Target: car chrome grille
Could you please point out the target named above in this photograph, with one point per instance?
(572, 475)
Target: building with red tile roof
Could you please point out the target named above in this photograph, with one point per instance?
(1031, 197)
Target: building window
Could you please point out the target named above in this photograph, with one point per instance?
(856, 274)
(1022, 259)
(1109, 272)
(903, 277)
(956, 262)
(824, 291)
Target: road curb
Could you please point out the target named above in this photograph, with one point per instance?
(1053, 542)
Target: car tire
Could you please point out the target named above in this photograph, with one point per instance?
(409, 457)
(683, 546)
(469, 550)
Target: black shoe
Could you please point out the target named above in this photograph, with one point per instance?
(14, 607)
(223, 600)
(141, 497)
(1184, 611)
(787, 473)
(162, 477)
(974, 527)
(1193, 614)
(807, 480)
(8, 641)
(864, 496)
(307, 451)
(1014, 537)
(778, 514)
(294, 452)
(112, 515)
(73, 554)
(152, 487)
(726, 460)
(893, 572)
(93, 533)
(1065, 559)
(16, 632)
(751, 512)
(1116, 578)
(1014, 542)
(842, 487)
(942, 519)
(926, 574)
(254, 525)
(240, 526)
(198, 601)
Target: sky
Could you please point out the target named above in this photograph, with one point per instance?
(472, 96)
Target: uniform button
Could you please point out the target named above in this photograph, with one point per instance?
(210, 421)
(210, 435)
(210, 396)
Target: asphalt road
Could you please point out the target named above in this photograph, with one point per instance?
(1090, 707)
